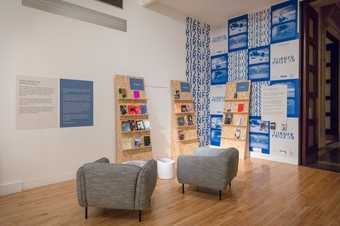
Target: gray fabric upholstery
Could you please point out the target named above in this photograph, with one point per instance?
(116, 186)
(209, 168)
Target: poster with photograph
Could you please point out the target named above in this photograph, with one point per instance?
(293, 96)
(284, 137)
(219, 77)
(215, 137)
(256, 125)
(217, 99)
(219, 62)
(284, 21)
(238, 42)
(259, 72)
(238, 33)
(216, 121)
(284, 60)
(259, 55)
(259, 143)
(219, 42)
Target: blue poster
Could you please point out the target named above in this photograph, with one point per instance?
(219, 77)
(238, 33)
(242, 87)
(216, 121)
(293, 96)
(76, 103)
(215, 137)
(185, 87)
(136, 84)
(259, 72)
(284, 21)
(259, 142)
(219, 62)
(259, 55)
(256, 125)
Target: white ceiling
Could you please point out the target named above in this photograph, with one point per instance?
(213, 12)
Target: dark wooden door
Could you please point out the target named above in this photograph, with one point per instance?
(331, 89)
(309, 79)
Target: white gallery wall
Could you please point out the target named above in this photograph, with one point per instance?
(37, 43)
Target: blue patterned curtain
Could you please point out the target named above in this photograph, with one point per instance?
(198, 73)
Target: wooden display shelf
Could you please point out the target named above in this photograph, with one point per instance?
(141, 149)
(242, 89)
(123, 117)
(136, 132)
(124, 94)
(189, 132)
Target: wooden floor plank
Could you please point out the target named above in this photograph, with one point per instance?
(264, 193)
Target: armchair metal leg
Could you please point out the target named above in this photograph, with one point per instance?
(230, 184)
(85, 212)
(182, 188)
(140, 215)
(220, 195)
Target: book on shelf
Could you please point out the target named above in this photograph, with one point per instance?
(147, 141)
(228, 118)
(126, 127)
(138, 141)
(190, 120)
(122, 93)
(180, 121)
(184, 108)
(134, 109)
(136, 94)
(238, 133)
(140, 125)
(239, 121)
(127, 143)
(147, 125)
(177, 94)
(123, 109)
(133, 125)
(181, 135)
(143, 109)
(240, 107)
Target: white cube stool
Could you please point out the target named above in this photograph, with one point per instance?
(165, 168)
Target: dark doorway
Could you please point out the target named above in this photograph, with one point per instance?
(331, 89)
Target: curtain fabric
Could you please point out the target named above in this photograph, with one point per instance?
(198, 73)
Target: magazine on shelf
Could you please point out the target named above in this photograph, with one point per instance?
(240, 107)
(122, 93)
(134, 110)
(184, 108)
(126, 126)
(133, 125)
(180, 121)
(127, 143)
(147, 125)
(143, 109)
(123, 109)
(181, 135)
(238, 133)
(147, 141)
(190, 120)
(177, 94)
(138, 142)
(140, 125)
(228, 118)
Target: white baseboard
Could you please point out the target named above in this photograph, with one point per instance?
(273, 158)
(14, 187)
(10, 188)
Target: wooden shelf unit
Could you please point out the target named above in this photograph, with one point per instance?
(126, 96)
(235, 129)
(182, 107)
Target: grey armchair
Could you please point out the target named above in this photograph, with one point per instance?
(116, 186)
(208, 168)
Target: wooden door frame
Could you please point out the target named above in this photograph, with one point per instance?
(303, 120)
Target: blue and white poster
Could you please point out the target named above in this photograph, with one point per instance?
(216, 121)
(219, 77)
(293, 96)
(284, 21)
(215, 137)
(284, 60)
(256, 125)
(259, 55)
(185, 87)
(136, 84)
(76, 103)
(259, 72)
(219, 62)
(259, 143)
(238, 33)
(217, 94)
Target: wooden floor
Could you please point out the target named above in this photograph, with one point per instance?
(264, 193)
